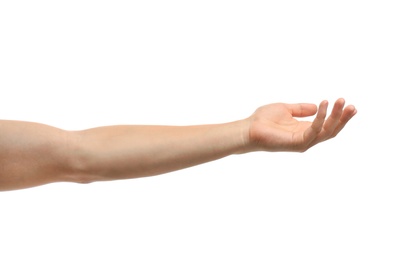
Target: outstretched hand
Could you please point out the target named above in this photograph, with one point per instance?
(34, 154)
(274, 127)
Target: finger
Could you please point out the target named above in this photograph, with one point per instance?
(311, 133)
(348, 113)
(333, 120)
(302, 109)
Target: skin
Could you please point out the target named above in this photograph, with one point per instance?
(34, 154)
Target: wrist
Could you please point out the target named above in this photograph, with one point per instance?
(243, 127)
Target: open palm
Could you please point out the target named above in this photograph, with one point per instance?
(274, 127)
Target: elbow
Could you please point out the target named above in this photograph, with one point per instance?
(80, 160)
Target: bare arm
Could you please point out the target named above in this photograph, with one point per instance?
(35, 154)
(138, 151)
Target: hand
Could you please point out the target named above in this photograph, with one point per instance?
(274, 128)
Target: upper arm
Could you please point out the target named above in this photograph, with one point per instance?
(33, 154)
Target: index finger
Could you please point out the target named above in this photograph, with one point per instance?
(312, 132)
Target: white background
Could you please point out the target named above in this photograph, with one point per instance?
(80, 64)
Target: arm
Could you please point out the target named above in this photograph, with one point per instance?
(38, 154)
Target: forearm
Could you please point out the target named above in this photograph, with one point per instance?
(122, 152)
